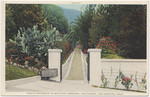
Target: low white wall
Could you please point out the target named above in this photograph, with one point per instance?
(128, 67)
(84, 66)
(66, 66)
(111, 67)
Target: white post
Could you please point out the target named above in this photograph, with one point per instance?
(95, 66)
(54, 57)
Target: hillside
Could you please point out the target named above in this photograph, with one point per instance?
(70, 14)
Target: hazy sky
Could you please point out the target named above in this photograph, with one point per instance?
(78, 7)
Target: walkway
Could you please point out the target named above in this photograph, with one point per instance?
(73, 85)
(33, 85)
(76, 72)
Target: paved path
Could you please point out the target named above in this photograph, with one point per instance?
(76, 72)
(73, 85)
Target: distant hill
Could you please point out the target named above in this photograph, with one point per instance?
(71, 14)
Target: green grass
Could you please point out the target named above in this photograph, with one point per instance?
(17, 73)
(112, 56)
(87, 59)
(109, 56)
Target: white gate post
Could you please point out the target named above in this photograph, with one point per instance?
(54, 62)
(95, 66)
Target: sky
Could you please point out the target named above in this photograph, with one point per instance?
(78, 7)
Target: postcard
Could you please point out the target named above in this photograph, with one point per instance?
(75, 48)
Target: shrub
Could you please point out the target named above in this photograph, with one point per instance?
(104, 80)
(65, 46)
(34, 44)
(111, 56)
(107, 45)
(125, 80)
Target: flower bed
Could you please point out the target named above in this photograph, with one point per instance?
(123, 82)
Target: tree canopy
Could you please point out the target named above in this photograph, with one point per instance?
(125, 24)
(22, 15)
(54, 15)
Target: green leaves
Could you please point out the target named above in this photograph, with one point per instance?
(34, 42)
(126, 24)
(22, 15)
(54, 15)
(82, 25)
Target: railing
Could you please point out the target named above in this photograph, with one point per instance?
(85, 65)
(65, 66)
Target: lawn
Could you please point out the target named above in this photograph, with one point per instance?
(109, 56)
(17, 73)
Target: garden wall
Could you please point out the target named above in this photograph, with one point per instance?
(84, 65)
(66, 66)
(128, 67)
(129, 74)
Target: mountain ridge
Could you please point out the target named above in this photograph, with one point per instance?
(71, 14)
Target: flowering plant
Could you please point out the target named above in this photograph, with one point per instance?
(65, 46)
(104, 80)
(107, 45)
(125, 80)
(142, 84)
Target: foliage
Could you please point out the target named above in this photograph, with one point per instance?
(66, 56)
(133, 34)
(126, 24)
(54, 15)
(33, 44)
(11, 49)
(65, 46)
(126, 81)
(99, 25)
(111, 56)
(10, 23)
(104, 80)
(109, 47)
(141, 85)
(73, 35)
(82, 25)
(17, 73)
(22, 15)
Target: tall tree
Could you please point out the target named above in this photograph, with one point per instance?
(84, 23)
(133, 33)
(10, 23)
(106, 22)
(126, 24)
(23, 15)
(55, 16)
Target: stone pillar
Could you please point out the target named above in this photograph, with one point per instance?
(54, 62)
(95, 66)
